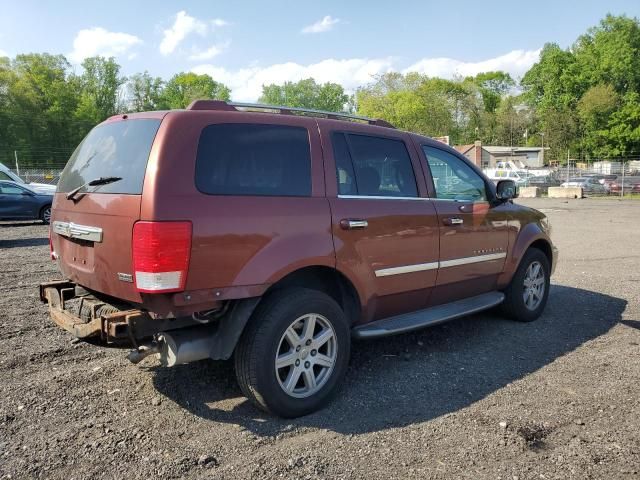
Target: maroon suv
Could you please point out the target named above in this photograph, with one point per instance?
(275, 236)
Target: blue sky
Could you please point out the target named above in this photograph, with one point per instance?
(248, 43)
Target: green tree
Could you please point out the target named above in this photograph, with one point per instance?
(580, 90)
(38, 104)
(594, 111)
(432, 106)
(624, 127)
(306, 94)
(492, 86)
(145, 92)
(100, 83)
(410, 102)
(184, 88)
(610, 53)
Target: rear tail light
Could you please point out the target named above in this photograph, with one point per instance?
(161, 253)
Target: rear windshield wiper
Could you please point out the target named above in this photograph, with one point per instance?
(92, 183)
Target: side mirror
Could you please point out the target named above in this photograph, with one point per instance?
(506, 190)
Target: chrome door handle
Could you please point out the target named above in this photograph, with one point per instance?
(453, 221)
(351, 224)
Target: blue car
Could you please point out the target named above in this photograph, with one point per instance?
(19, 202)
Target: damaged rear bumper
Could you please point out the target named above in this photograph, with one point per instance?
(176, 340)
(116, 326)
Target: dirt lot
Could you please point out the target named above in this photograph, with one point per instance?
(480, 397)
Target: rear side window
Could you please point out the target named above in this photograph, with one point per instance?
(373, 166)
(115, 149)
(8, 189)
(254, 159)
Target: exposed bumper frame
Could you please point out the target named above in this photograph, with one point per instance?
(113, 327)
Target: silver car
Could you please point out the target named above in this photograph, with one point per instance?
(588, 184)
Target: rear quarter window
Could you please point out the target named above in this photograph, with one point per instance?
(254, 159)
(115, 149)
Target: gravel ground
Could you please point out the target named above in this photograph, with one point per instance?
(480, 397)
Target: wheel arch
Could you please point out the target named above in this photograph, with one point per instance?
(531, 236)
(327, 280)
(543, 245)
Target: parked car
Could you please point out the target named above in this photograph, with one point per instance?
(20, 202)
(630, 184)
(6, 174)
(521, 177)
(589, 185)
(225, 229)
(543, 182)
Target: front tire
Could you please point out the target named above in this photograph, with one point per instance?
(294, 353)
(527, 294)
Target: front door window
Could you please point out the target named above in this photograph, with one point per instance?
(453, 178)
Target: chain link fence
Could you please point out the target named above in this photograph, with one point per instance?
(603, 178)
(49, 176)
(599, 178)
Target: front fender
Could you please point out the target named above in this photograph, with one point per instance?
(525, 236)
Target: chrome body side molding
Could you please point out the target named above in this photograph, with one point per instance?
(419, 267)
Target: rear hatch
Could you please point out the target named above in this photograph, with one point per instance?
(91, 232)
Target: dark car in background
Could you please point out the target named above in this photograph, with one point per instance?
(543, 182)
(626, 185)
(19, 202)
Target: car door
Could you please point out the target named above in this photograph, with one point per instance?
(473, 232)
(16, 202)
(385, 228)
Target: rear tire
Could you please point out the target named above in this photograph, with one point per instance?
(294, 352)
(527, 294)
(45, 214)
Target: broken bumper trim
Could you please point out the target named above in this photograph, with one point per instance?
(113, 327)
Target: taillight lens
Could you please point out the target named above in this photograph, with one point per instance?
(161, 253)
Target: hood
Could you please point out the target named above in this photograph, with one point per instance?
(43, 188)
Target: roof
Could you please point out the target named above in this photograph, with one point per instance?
(497, 149)
(463, 148)
(283, 110)
(500, 149)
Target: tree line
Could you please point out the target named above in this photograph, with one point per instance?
(583, 101)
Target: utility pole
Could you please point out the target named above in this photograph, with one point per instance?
(622, 185)
(15, 154)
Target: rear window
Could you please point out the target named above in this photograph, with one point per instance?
(254, 159)
(373, 166)
(116, 149)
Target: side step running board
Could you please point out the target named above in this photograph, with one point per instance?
(428, 317)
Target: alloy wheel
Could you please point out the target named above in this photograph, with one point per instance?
(306, 355)
(534, 285)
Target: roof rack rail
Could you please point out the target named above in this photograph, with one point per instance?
(231, 106)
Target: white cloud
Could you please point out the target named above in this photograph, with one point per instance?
(219, 22)
(516, 63)
(209, 53)
(246, 83)
(323, 25)
(3, 53)
(183, 26)
(98, 41)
